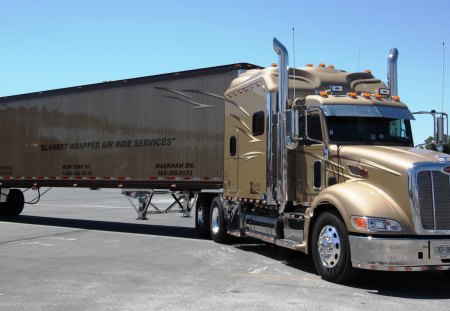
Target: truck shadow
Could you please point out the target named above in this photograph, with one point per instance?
(147, 229)
(413, 285)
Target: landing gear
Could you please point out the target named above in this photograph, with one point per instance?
(331, 249)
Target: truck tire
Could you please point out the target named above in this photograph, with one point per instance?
(218, 224)
(14, 203)
(331, 249)
(202, 216)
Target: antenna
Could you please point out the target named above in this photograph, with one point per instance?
(293, 52)
(443, 75)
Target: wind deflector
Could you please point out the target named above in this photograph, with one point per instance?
(367, 111)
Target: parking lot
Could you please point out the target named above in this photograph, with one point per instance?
(84, 250)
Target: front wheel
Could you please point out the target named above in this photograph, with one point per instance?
(218, 224)
(331, 249)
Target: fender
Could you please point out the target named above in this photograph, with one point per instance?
(363, 199)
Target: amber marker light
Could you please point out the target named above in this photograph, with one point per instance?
(309, 65)
(351, 94)
(378, 96)
(331, 66)
(360, 222)
(366, 95)
(396, 98)
(324, 93)
(368, 71)
(322, 65)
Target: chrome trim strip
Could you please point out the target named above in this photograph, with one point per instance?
(260, 236)
(287, 244)
(270, 169)
(434, 201)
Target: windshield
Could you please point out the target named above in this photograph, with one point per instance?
(366, 130)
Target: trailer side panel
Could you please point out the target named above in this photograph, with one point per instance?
(164, 132)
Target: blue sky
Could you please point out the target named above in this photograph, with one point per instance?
(50, 44)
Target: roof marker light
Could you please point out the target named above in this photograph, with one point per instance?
(309, 65)
(366, 95)
(396, 98)
(322, 65)
(351, 94)
(368, 71)
(377, 96)
(331, 66)
(324, 93)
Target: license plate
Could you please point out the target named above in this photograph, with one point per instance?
(442, 250)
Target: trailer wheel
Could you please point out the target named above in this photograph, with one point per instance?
(202, 212)
(218, 225)
(331, 249)
(14, 203)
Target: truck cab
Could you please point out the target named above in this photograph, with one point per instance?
(322, 161)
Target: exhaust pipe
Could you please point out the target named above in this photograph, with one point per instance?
(281, 149)
(392, 71)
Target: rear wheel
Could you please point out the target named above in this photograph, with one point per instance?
(331, 249)
(218, 225)
(202, 212)
(14, 203)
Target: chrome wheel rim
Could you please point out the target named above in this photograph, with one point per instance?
(329, 246)
(215, 220)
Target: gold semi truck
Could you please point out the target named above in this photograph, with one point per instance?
(314, 159)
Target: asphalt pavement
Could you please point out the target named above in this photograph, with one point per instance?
(84, 250)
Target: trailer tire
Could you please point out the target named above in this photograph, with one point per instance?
(218, 225)
(331, 249)
(14, 203)
(202, 216)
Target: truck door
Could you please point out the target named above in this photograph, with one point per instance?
(310, 161)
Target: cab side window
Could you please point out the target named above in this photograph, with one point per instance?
(314, 127)
(258, 123)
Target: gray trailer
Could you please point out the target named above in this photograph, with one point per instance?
(156, 132)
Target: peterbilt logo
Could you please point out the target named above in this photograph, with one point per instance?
(446, 170)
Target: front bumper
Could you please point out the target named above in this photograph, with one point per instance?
(397, 254)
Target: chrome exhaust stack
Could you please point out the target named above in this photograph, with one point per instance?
(281, 148)
(392, 71)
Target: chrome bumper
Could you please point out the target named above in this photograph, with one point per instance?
(397, 254)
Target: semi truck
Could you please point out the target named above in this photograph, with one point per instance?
(315, 159)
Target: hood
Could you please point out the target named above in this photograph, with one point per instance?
(393, 159)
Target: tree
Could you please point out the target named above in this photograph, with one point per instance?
(431, 146)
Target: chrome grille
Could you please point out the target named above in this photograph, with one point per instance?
(434, 200)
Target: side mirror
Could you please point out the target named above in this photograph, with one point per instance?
(292, 128)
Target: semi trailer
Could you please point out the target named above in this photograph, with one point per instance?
(314, 159)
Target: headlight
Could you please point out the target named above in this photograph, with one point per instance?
(375, 224)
